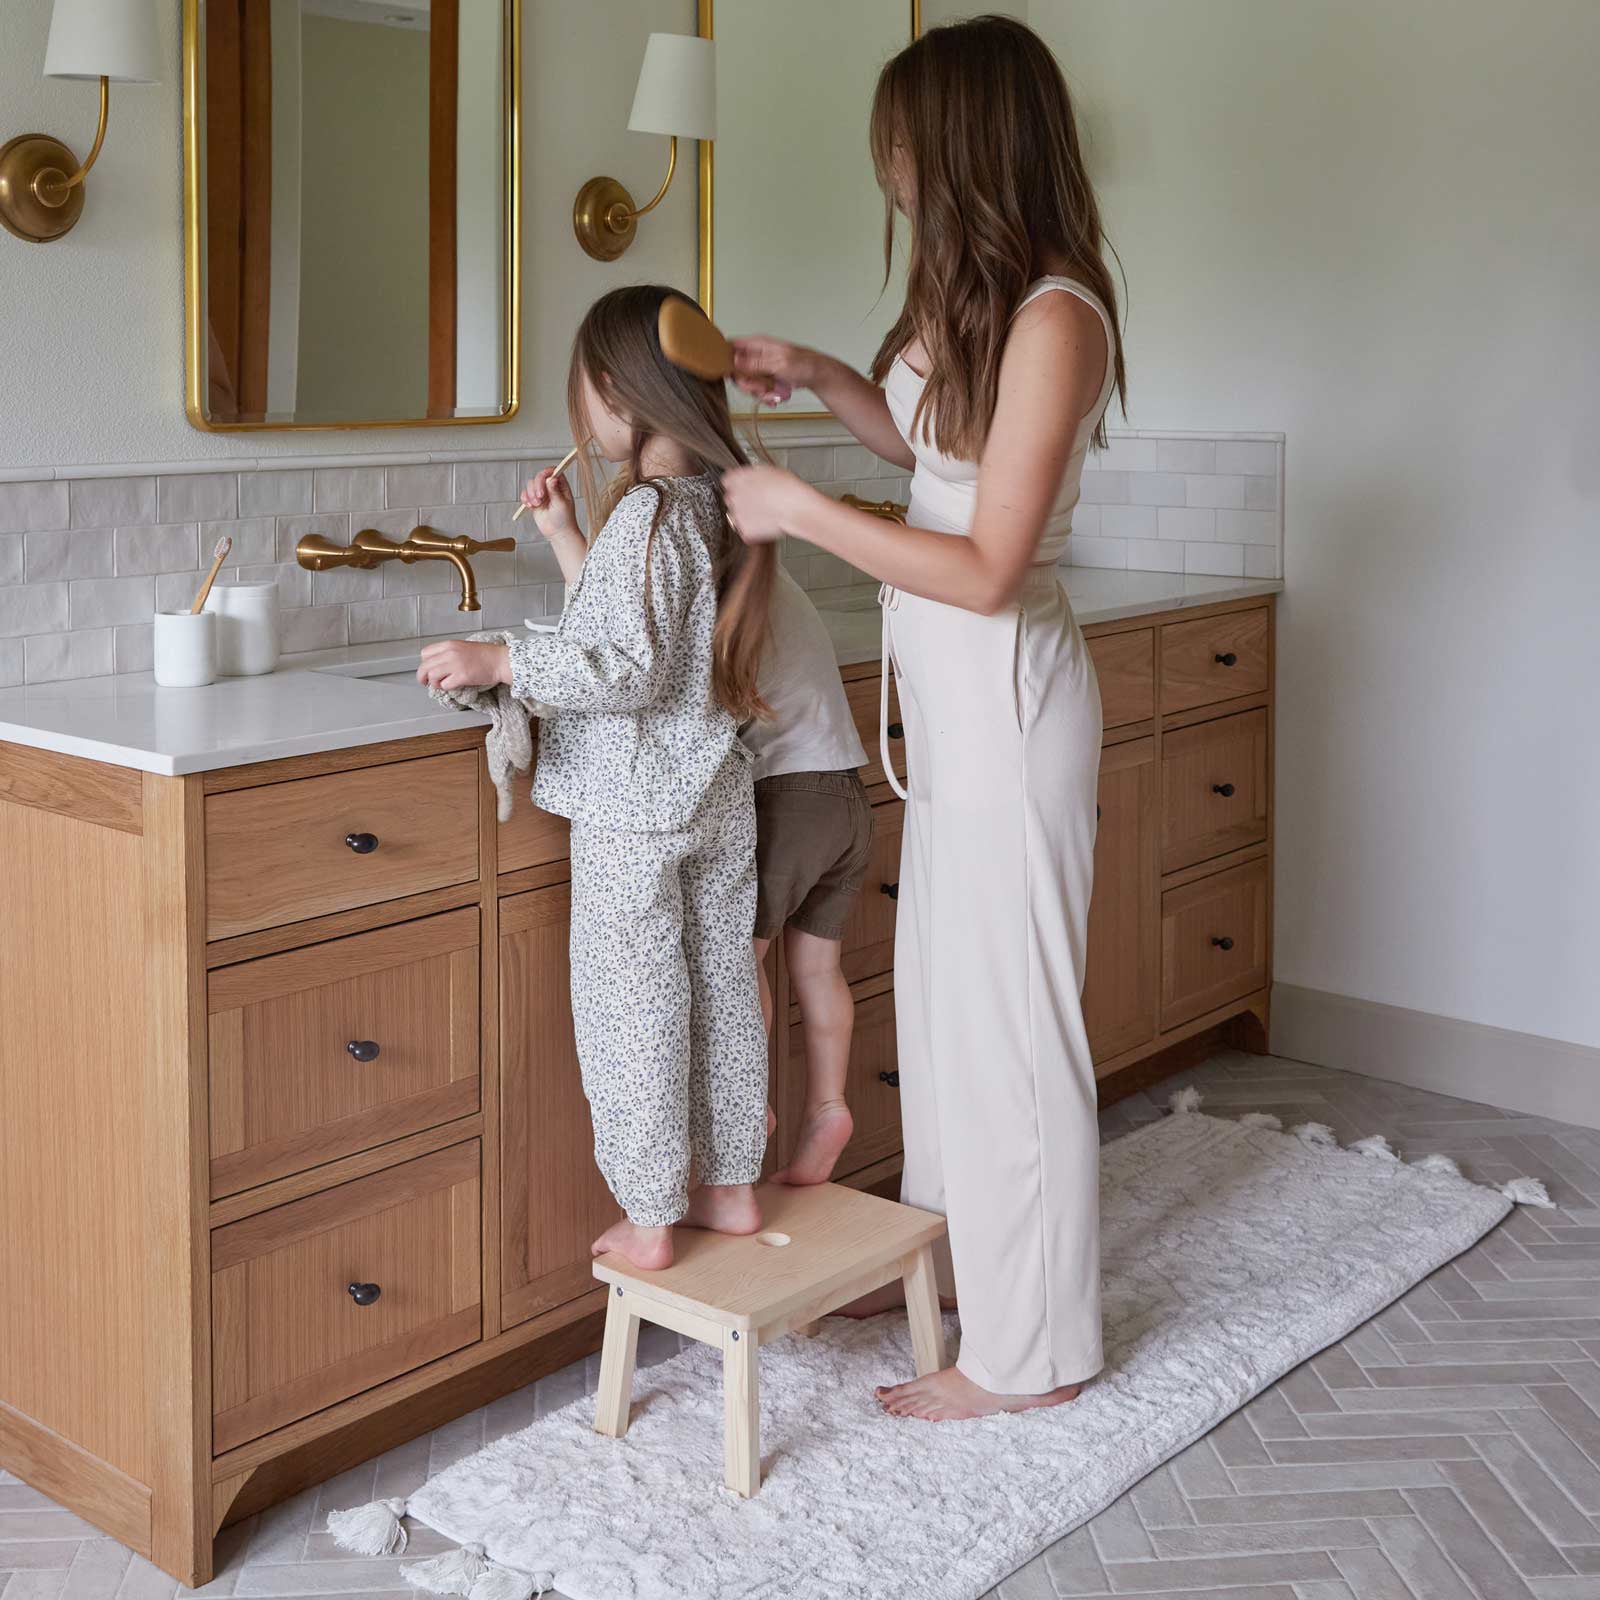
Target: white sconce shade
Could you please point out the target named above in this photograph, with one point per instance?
(115, 39)
(677, 93)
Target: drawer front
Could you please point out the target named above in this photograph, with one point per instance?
(340, 1047)
(289, 851)
(1125, 664)
(871, 1088)
(868, 946)
(531, 837)
(289, 1336)
(1215, 658)
(1213, 789)
(863, 694)
(1213, 942)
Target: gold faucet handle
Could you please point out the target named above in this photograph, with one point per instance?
(889, 510)
(426, 538)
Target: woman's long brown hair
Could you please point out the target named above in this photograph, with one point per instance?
(974, 121)
(619, 349)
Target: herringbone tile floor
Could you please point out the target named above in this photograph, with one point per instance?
(1448, 1450)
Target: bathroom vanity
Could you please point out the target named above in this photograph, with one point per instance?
(294, 1158)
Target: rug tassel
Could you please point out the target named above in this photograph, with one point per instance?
(1437, 1161)
(1261, 1119)
(506, 1583)
(1185, 1099)
(455, 1572)
(1317, 1134)
(1528, 1192)
(1376, 1146)
(370, 1530)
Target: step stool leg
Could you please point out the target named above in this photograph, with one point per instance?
(809, 1330)
(614, 1401)
(741, 1404)
(922, 1307)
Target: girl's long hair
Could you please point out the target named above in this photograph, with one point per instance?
(974, 122)
(619, 349)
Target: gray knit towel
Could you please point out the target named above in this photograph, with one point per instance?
(509, 743)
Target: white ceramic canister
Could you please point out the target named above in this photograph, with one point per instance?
(185, 649)
(247, 627)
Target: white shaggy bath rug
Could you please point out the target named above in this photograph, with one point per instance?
(1231, 1253)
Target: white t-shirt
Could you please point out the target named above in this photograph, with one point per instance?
(811, 729)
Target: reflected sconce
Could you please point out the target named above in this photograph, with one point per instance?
(677, 96)
(41, 181)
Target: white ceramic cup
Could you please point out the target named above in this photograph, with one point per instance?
(247, 627)
(185, 649)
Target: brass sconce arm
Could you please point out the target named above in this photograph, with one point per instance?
(41, 181)
(604, 216)
(370, 549)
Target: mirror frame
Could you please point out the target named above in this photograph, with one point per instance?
(193, 275)
(708, 194)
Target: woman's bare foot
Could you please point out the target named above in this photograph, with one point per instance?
(951, 1396)
(649, 1249)
(885, 1299)
(824, 1133)
(724, 1208)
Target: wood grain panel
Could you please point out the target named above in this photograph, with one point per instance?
(1125, 664)
(531, 837)
(862, 694)
(289, 1339)
(1194, 665)
(1197, 974)
(1198, 819)
(278, 854)
(91, 791)
(286, 1094)
(320, 763)
(868, 944)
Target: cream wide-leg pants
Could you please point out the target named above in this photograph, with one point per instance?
(1002, 720)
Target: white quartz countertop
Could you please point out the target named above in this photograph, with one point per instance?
(338, 699)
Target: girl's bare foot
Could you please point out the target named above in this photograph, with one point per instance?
(772, 1121)
(649, 1249)
(951, 1396)
(724, 1208)
(825, 1132)
(885, 1299)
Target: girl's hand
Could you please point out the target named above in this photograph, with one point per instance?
(550, 500)
(772, 369)
(763, 502)
(460, 664)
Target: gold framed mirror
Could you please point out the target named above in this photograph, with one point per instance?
(791, 218)
(352, 213)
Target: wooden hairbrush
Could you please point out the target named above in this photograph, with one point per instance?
(691, 340)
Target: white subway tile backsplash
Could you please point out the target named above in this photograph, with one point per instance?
(134, 649)
(1247, 456)
(348, 488)
(498, 523)
(85, 553)
(503, 608)
(255, 542)
(1247, 527)
(340, 586)
(416, 486)
(1098, 488)
(853, 461)
(1155, 555)
(272, 494)
(1086, 519)
(1128, 522)
(1088, 551)
(11, 655)
(454, 519)
(1221, 560)
(813, 463)
(26, 507)
(313, 628)
(175, 591)
(112, 502)
(10, 558)
(1261, 494)
(1214, 489)
(294, 581)
(50, 657)
(1262, 561)
(1126, 455)
(1156, 488)
(478, 482)
(1186, 455)
(103, 602)
(1185, 523)
(165, 548)
(197, 497)
(395, 618)
(421, 577)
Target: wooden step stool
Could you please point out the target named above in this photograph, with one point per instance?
(818, 1249)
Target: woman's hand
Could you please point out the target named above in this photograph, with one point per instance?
(772, 369)
(461, 664)
(763, 502)
(549, 498)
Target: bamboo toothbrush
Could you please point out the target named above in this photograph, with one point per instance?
(561, 466)
(219, 554)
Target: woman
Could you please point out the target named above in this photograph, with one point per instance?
(992, 385)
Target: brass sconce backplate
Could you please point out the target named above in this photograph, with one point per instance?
(604, 219)
(29, 164)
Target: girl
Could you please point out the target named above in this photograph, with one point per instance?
(992, 384)
(650, 673)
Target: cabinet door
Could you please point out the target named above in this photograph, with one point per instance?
(872, 1089)
(868, 945)
(553, 1199)
(1119, 994)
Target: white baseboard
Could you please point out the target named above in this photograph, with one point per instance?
(1515, 1071)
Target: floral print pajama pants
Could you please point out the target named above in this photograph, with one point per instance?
(665, 1003)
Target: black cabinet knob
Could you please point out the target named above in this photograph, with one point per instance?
(364, 1293)
(1226, 658)
(1224, 789)
(362, 843)
(896, 730)
(890, 889)
(363, 1049)
(1224, 943)
(890, 1078)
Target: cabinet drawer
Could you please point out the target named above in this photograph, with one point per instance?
(868, 946)
(871, 1089)
(1213, 942)
(1215, 658)
(321, 1052)
(1125, 664)
(289, 851)
(862, 694)
(289, 1335)
(1213, 789)
(531, 838)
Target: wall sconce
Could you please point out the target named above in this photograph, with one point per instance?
(677, 96)
(41, 181)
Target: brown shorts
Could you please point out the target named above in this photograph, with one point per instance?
(813, 836)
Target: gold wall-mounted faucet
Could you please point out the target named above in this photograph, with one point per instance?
(370, 549)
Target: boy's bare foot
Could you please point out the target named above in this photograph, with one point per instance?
(885, 1299)
(772, 1121)
(649, 1249)
(951, 1396)
(724, 1208)
(825, 1132)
